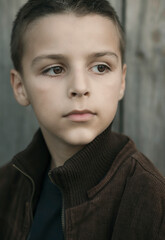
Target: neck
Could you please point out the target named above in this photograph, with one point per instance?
(61, 155)
(60, 151)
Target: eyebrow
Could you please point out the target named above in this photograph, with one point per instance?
(62, 57)
(49, 56)
(102, 54)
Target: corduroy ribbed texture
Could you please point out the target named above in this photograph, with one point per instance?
(87, 167)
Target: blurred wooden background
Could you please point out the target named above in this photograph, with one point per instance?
(142, 113)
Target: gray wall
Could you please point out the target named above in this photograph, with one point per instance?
(142, 113)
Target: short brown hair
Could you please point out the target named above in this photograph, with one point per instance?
(35, 9)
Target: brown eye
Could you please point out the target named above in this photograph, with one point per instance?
(101, 68)
(57, 70)
(53, 71)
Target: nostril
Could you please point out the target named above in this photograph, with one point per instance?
(86, 93)
(74, 94)
(79, 94)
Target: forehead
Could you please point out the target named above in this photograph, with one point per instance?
(67, 33)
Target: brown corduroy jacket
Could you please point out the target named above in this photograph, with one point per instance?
(110, 192)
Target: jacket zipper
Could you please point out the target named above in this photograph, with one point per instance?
(33, 191)
(33, 186)
(63, 208)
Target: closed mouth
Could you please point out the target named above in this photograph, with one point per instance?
(80, 115)
(79, 112)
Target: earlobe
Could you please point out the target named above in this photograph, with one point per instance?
(123, 82)
(18, 88)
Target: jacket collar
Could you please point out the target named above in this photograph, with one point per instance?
(35, 159)
(81, 173)
(87, 168)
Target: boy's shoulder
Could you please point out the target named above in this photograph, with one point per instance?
(144, 168)
(6, 170)
(25, 162)
(7, 174)
(142, 196)
(147, 167)
(8, 179)
(140, 164)
(142, 178)
(137, 170)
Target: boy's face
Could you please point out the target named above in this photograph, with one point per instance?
(72, 76)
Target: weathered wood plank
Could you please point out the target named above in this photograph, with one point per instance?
(117, 124)
(145, 95)
(16, 123)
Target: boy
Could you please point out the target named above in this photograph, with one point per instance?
(77, 180)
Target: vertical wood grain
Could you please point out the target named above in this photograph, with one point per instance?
(16, 123)
(144, 114)
(118, 122)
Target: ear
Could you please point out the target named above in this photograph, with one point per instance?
(19, 91)
(123, 83)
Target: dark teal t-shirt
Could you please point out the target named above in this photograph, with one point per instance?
(47, 224)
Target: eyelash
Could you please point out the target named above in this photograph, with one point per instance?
(46, 71)
(107, 68)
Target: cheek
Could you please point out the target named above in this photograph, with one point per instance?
(41, 91)
(44, 98)
(111, 91)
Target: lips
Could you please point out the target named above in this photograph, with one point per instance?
(80, 116)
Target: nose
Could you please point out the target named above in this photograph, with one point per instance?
(78, 86)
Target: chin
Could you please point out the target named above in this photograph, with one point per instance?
(81, 142)
(82, 138)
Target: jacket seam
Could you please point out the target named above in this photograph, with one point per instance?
(145, 168)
